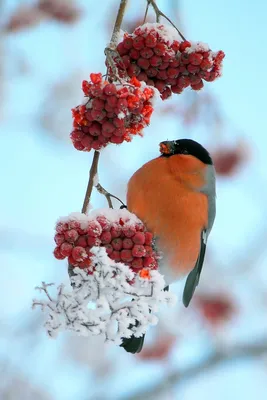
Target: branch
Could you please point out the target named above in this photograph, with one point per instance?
(108, 195)
(238, 353)
(93, 172)
(118, 22)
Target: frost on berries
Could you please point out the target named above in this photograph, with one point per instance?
(111, 112)
(120, 232)
(105, 303)
(154, 54)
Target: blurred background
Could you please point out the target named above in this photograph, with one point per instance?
(217, 348)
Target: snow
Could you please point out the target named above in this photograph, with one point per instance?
(104, 303)
(167, 32)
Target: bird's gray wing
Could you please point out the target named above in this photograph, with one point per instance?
(193, 278)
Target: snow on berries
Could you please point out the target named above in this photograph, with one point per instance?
(121, 233)
(111, 113)
(155, 54)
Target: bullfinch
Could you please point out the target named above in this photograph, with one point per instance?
(175, 196)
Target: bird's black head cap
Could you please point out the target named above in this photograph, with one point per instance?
(185, 146)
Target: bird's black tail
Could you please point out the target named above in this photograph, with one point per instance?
(135, 344)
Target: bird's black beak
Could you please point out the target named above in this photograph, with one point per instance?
(167, 147)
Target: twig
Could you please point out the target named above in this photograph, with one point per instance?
(108, 195)
(93, 172)
(147, 7)
(117, 25)
(159, 14)
(238, 353)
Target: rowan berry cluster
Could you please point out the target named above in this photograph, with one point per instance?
(125, 241)
(112, 112)
(154, 55)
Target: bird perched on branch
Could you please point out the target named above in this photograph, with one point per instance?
(174, 195)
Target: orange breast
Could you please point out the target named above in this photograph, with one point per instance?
(163, 194)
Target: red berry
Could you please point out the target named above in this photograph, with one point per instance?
(149, 251)
(115, 255)
(93, 241)
(148, 238)
(126, 61)
(98, 115)
(85, 264)
(86, 142)
(79, 253)
(110, 89)
(128, 43)
(149, 262)
(108, 127)
(155, 61)
(96, 78)
(151, 72)
(115, 231)
(116, 139)
(166, 93)
(117, 244)
(78, 146)
(95, 129)
(139, 42)
(122, 50)
(162, 75)
(127, 243)
(150, 40)
(184, 45)
(142, 77)
(206, 64)
(139, 238)
(66, 249)
(94, 229)
(109, 248)
(126, 255)
(98, 104)
(137, 264)
(58, 254)
(160, 85)
(134, 54)
(105, 237)
(193, 69)
(104, 223)
(133, 70)
(138, 250)
(96, 145)
(71, 235)
(129, 230)
(59, 239)
(76, 135)
(160, 49)
(143, 63)
(197, 86)
(195, 58)
(82, 241)
(173, 72)
(146, 52)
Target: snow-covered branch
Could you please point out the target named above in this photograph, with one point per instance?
(105, 301)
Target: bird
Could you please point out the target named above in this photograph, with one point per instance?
(175, 197)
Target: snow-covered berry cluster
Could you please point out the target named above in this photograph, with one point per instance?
(111, 112)
(155, 55)
(123, 235)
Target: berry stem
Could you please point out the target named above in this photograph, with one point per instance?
(159, 14)
(93, 172)
(108, 195)
(117, 25)
(147, 7)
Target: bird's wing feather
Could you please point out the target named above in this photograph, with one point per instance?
(193, 278)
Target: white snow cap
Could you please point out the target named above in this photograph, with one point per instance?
(167, 32)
